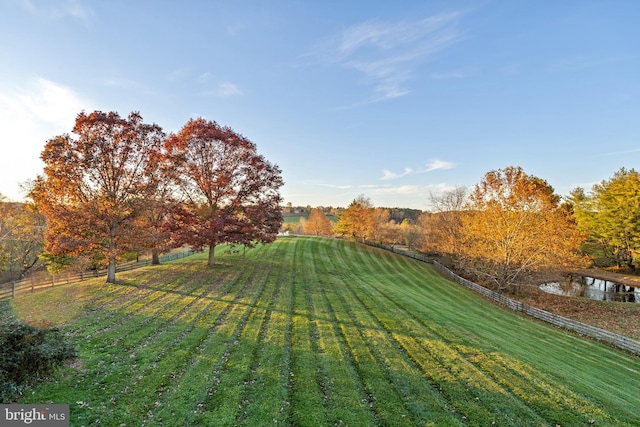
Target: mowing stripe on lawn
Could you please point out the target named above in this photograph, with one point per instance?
(386, 404)
(160, 356)
(469, 393)
(121, 309)
(547, 342)
(187, 354)
(223, 401)
(191, 385)
(347, 400)
(308, 384)
(265, 394)
(420, 399)
(124, 382)
(550, 398)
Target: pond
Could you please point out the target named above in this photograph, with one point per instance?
(593, 288)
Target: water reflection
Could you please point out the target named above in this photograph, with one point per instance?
(597, 289)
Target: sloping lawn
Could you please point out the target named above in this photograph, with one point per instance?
(312, 331)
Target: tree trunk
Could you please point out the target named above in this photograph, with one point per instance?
(212, 253)
(111, 271)
(155, 257)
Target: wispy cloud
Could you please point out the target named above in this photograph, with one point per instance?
(387, 174)
(432, 165)
(204, 77)
(76, 9)
(386, 195)
(207, 84)
(179, 74)
(42, 101)
(224, 90)
(437, 164)
(30, 114)
(29, 6)
(340, 187)
(387, 53)
(410, 189)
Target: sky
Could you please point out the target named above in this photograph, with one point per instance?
(395, 101)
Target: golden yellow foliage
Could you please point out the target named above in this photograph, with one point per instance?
(318, 224)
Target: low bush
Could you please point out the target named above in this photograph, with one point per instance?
(28, 355)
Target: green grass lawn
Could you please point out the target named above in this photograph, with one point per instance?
(312, 331)
(294, 218)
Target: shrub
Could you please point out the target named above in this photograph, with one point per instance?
(28, 355)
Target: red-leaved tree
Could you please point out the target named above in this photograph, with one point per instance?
(96, 186)
(230, 192)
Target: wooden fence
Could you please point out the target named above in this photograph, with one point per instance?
(599, 334)
(47, 280)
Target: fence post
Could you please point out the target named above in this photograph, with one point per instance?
(33, 282)
(13, 289)
(53, 280)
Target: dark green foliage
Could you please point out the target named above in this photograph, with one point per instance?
(400, 214)
(610, 216)
(27, 355)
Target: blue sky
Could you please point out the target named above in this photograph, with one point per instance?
(391, 100)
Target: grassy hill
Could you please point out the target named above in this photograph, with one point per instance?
(313, 331)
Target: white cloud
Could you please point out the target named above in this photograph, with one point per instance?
(179, 74)
(433, 165)
(400, 190)
(437, 164)
(29, 116)
(414, 196)
(407, 196)
(29, 6)
(387, 174)
(387, 53)
(340, 187)
(76, 9)
(204, 77)
(224, 90)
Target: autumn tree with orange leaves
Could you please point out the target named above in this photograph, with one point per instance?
(96, 185)
(318, 223)
(358, 220)
(21, 238)
(514, 225)
(156, 217)
(230, 192)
